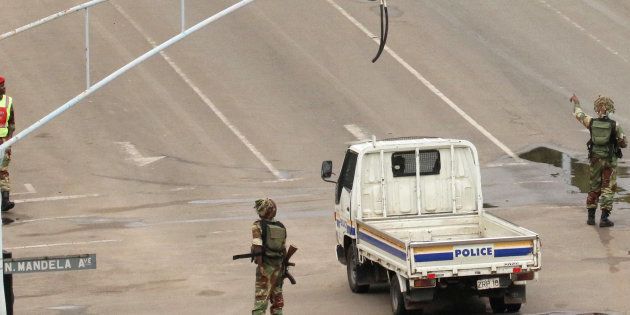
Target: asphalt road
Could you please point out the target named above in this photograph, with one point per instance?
(251, 105)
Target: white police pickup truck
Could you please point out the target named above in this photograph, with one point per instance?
(409, 212)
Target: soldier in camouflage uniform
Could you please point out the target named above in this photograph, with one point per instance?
(269, 238)
(7, 127)
(607, 138)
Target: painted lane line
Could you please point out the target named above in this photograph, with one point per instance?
(583, 30)
(493, 165)
(535, 182)
(357, 132)
(245, 200)
(53, 219)
(135, 155)
(62, 244)
(427, 83)
(279, 175)
(29, 190)
(55, 198)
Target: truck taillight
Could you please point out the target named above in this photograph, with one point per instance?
(431, 276)
(517, 270)
(525, 276)
(424, 283)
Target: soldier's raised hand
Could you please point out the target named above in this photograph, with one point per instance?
(574, 99)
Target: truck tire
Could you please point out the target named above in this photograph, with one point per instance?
(498, 305)
(397, 298)
(353, 269)
(513, 308)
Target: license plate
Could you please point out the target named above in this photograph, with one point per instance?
(485, 284)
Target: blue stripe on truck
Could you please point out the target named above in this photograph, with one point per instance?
(382, 245)
(508, 252)
(433, 257)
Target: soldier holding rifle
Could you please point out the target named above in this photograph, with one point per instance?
(271, 257)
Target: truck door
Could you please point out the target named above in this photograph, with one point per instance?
(343, 196)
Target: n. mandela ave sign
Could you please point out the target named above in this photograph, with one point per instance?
(46, 264)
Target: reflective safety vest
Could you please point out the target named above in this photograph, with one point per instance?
(6, 103)
(603, 137)
(274, 235)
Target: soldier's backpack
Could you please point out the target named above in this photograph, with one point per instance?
(274, 235)
(603, 142)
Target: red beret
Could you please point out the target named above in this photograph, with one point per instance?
(1, 80)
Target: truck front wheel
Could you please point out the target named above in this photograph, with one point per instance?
(353, 269)
(398, 300)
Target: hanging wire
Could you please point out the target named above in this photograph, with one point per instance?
(384, 29)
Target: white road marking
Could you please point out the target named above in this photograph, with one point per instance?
(535, 182)
(492, 165)
(427, 83)
(61, 244)
(55, 198)
(52, 218)
(280, 175)
(283, 180)
(357, 132)
(135, 155)
(583, 30)
(29, 190)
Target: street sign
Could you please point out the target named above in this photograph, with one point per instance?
(52, 263)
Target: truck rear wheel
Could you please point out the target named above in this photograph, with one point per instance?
(497, 304)
(352, 268)
(513, 308)
(397, 298)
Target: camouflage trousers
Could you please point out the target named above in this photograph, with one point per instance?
(4, 171)
(603, 184)
(268, 288)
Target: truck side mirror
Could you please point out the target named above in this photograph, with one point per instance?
(327, 171)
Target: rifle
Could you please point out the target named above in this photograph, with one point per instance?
(250, 255)
(285, 264)
(292, 249)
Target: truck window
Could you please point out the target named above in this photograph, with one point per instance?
(404, 163)
(346, 177)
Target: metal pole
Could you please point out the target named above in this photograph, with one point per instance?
(119, 72)
(87, 48)
(50, 18)
(183, 10)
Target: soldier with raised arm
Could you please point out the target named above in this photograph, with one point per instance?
(604, 148)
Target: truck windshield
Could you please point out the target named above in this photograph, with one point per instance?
(346, 177)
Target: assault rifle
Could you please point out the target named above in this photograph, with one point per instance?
(292, 249)
(285, 264)
(250, 255)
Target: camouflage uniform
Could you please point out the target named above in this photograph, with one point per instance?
(269, 271)
(603, 170)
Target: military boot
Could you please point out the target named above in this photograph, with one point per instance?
(604, 222)
(591, 216)
(6, 204)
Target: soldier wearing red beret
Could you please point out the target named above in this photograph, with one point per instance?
(7, 127)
